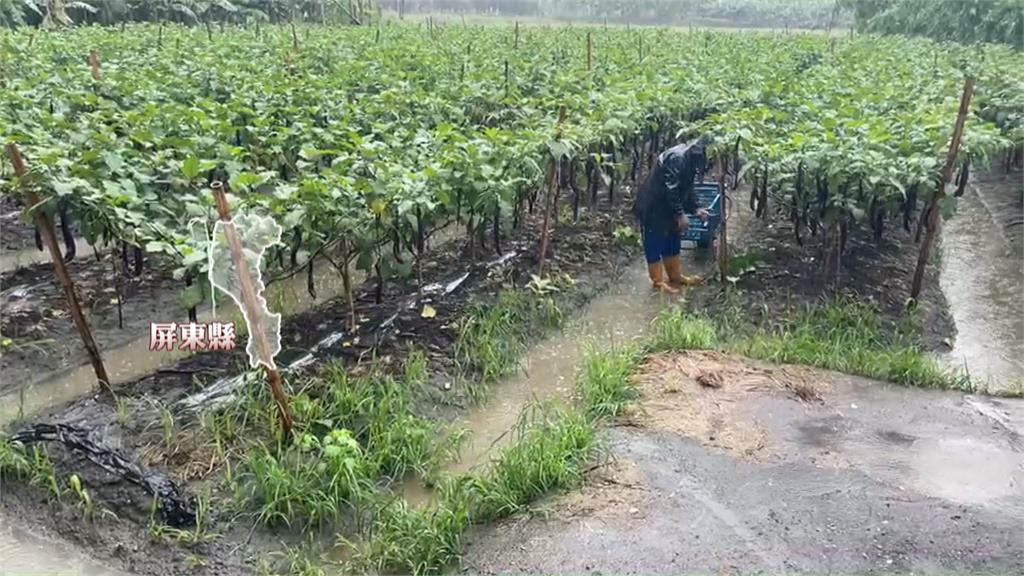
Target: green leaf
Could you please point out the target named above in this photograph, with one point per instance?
(191, 296)
(113, 160)
(190, 167)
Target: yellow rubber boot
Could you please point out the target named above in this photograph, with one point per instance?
(657, 273)
(674, 270)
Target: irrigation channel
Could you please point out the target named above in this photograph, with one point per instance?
(981, 278)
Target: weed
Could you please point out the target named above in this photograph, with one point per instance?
(676, 329)
(122, 414)
(626, 236)
(33, 464)
(551, 446)
(355, 432)
(604, 384)
(14, 460)
(407, 540)
(494, 336)
(167, 421)
(85, 502)
(199, 533)
(852, 337)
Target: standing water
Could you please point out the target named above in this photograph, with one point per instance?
(983, 280)
(26, 554)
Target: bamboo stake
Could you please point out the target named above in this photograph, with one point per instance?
(50, 240)
(249, 301)
(934, 221)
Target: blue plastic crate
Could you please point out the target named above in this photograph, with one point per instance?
(709, 196)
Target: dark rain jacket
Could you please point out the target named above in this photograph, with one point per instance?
(668, 191)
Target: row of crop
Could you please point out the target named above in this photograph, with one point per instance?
(356, 139)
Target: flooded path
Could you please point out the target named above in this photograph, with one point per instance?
(983, 278)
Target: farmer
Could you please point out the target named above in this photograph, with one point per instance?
(661, 206)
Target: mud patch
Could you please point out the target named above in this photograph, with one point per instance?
(614, 491)
(703, 394)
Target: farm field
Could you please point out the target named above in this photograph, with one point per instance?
(453, 203)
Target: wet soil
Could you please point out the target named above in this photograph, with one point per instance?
(779, 277)
(44, 339)
(856, 477)
(15, 233)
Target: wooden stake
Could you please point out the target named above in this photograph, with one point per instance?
(94, 65)
(934, 221)
(590, 51)
(723, 240)
(249, 300)
(551, 200)
(50, 241)
(295, 37)
(516, 45)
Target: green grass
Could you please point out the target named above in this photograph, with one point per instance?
(549, 452)
(552, 445)
(352, 434)
(494, 336)
(604, 386)
(852, 337)
(676, 329)
(406, 540)
(29, 463)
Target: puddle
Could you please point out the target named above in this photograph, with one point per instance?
(25, 554)
(983, 280)
(966, 470)
(11, 260)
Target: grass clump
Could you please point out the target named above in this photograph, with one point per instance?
(676, 329)
(604, 386)
(852, 337)
(352, 433)
(550, 449)
(407, 540)
(494, 336)
(33, 464)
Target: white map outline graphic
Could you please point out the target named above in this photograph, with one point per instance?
(249, 230)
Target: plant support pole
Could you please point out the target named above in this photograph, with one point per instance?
(552, 197)
(934, 220)
(723, 244)
(252, 308)
(49, 238)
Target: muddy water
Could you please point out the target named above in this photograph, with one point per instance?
(620, 315)
(983, 279)
(12, 260)
(134, 359)
(26, 554)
